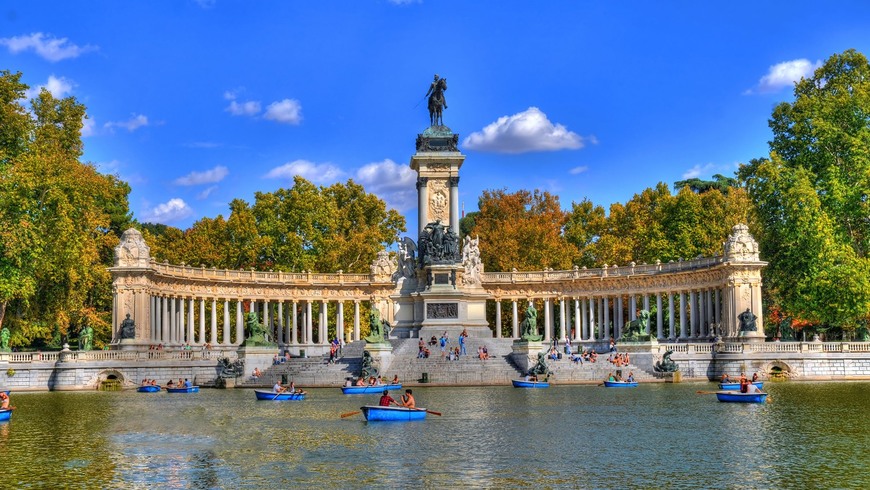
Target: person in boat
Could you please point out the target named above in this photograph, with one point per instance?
(4, 401)
(278, 388)
(531, 377)
(395, 380)
(145, 382)
(360, 381)
(153, 382)
(752, 389)
(744, 385)
(348, 383)
(170, 384)
(187, 383)
(611, 377)
(180, 383)
(408, 400)
(630, 378)
(754, 377)
(387, 400)
(725, 378)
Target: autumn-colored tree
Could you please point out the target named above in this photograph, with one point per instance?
(522, 230)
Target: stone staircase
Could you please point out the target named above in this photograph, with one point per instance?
(499, 369)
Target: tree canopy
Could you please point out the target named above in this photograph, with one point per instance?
(811, 197)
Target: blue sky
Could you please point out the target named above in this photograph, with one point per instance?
(195, 103)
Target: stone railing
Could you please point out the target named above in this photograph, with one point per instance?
(608, 271)
(763, 347)
(117, 355)
(188, 272)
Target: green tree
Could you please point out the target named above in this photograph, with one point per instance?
(812, 196)
(56, 230)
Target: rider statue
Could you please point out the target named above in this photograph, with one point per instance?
(437, 102)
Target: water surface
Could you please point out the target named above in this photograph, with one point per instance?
(656, 435)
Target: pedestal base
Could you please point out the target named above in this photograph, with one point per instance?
(382, 354)
(674, 377)
(525, 354)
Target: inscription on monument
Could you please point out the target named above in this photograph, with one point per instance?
(442, 310)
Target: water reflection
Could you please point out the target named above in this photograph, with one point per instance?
(578, 436)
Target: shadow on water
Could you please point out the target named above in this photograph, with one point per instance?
(575, 436)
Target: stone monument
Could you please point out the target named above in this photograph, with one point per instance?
(744, 292)
(436, 296)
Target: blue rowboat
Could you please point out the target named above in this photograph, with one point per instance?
(5, 414)
(374, 413)
(148, 389)
(192, 389)
(521, 383)
(271, 395)
(620, 384)
(736, 386)
(359, 390)
(737, 397)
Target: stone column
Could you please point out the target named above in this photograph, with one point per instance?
(659, 318)
(683, 333)
(182, 327)
(309, 325)
(422, 203)
(280, 327)
(339, 323)
(620, 322)
(295, 324)
(240, 323)
(173, 322)
(547, 319)
(267, 319)
(515, 324)
(498, 318)
(563, 324)
(202, 321)
(646, 302)
(717, 309)
(605, 331)
(632, 307)
(711, 317)
(454, 203)
(672, 332)
(214, 313)
(324, 329)
(591, 319)
(356, 334)
(190, 322)
(579, 319)
(693, 314)
(154, 313)
(164, 320)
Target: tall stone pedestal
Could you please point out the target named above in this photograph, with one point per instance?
(525, 354)
(382, 355)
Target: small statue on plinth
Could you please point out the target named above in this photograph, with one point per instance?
(540, 368)
(128, 328)
(529, 326)
(747, 321)
(377, 328)
(635, 330)
(86, 338)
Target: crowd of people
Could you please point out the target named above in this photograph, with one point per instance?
(619, 360)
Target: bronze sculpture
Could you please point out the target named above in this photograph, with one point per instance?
(437, 102)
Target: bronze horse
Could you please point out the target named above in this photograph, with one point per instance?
(437, 102)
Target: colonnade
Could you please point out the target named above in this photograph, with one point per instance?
(694, 315)
(178, 320)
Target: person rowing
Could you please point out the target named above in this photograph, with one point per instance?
(278, 388)
(408, 400)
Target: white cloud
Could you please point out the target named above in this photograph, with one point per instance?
(319, 173)
(203, 144)
(287, 111)
(110, 167)
(57, 87)
(132, 124)
(210, 176)
(249, 108)
(173, 210)
(785, 74)
(207, 192)
(48, 47)
(578, 170)
(393, 183)
(699, 170)
(523, 132)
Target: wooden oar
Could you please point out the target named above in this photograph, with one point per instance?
(348, 414)
(433, 412)
(276, 395)
(702, 392)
